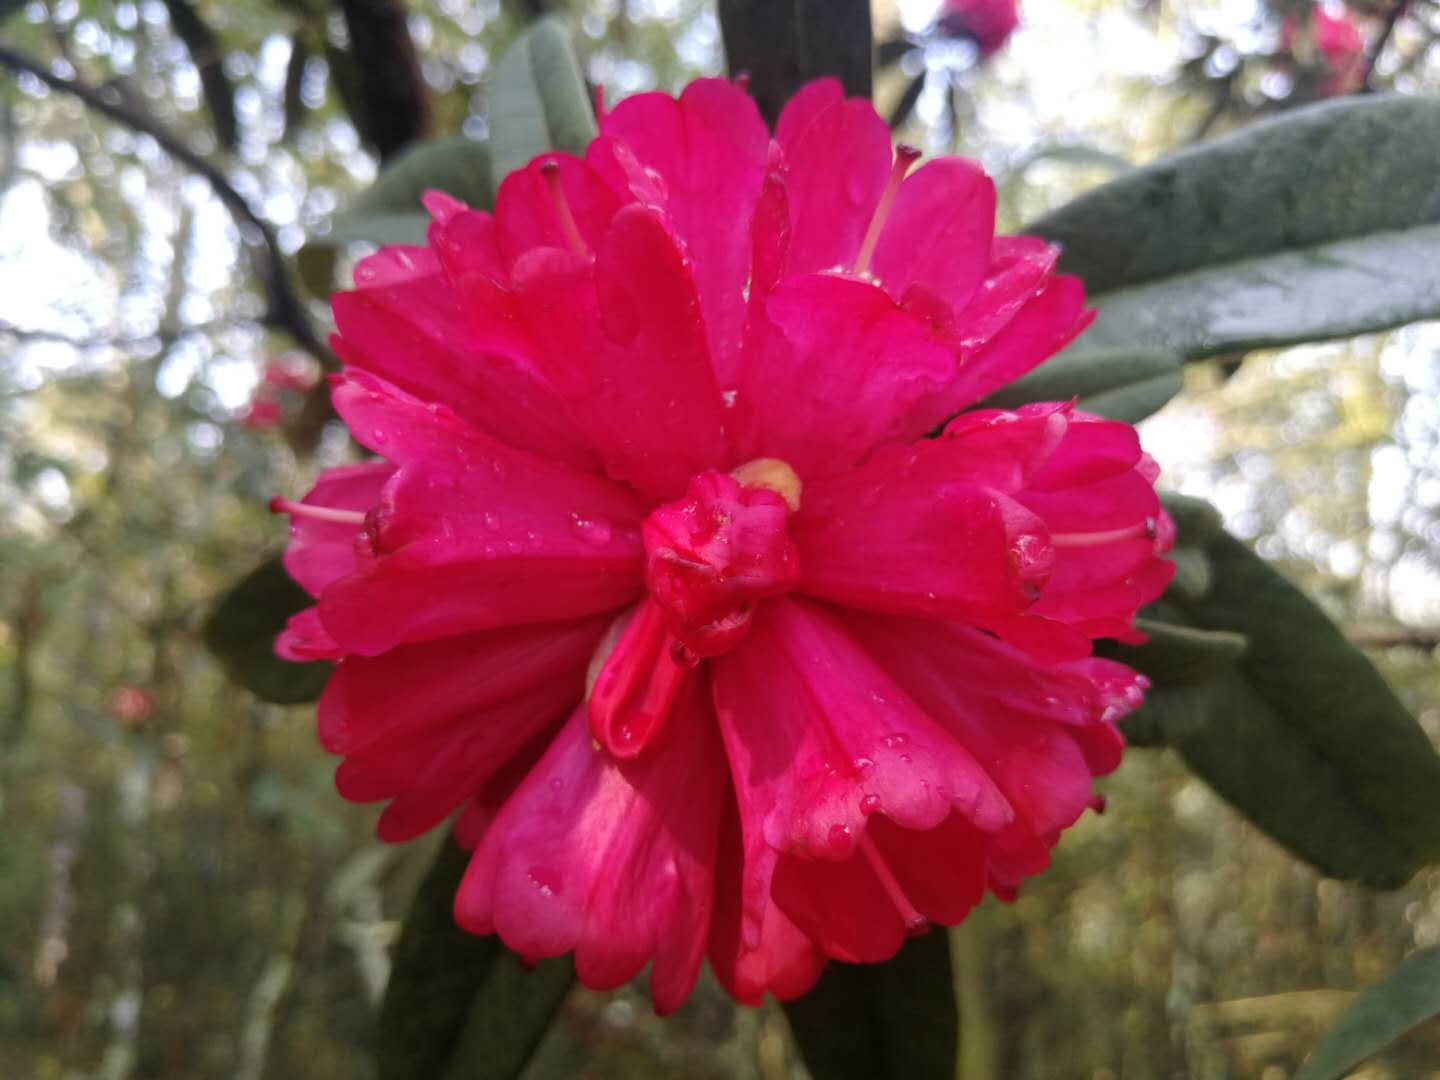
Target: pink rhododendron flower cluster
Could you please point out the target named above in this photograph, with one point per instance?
(988, 23)
(682, 575)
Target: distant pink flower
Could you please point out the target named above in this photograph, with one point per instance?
(266, 407)
(131, 706)
(989, 23)
(660, 578)
(1341, 44)
(263, 411)
(283, 373)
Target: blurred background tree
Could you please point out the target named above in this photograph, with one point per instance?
(183, 895)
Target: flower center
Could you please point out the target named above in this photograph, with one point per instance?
(711, 557)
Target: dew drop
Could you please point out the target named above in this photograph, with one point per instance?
(683, 656)
(869, 804)
(839, 838)
(595, 531)
(546, 881)
(491, 520)
(860, 764)
(896, 739)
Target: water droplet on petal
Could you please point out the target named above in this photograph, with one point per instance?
(869, 804)
(896, 739)
(595, 531)
(546, 881)
(839, 838)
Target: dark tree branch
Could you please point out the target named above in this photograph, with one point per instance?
(783, 44)
(1367, 84)
(284, 309)
(394, 103)
(208, 56)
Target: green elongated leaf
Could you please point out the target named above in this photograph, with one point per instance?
(380, 227)
(539, 101)
(1317, 224)
(1196, 521)
(241, 632)
(1334, 171)
(1193, 574)
(1336, 290)
(457, 1006)
(1405, 998)
(1169, 715)
(390, 212)
(436, 971)
(509, 1016)
(1306, 738)
(882, 1021)
(1244, 748)
(1123, 384)
(1179, 655)
(454, 164)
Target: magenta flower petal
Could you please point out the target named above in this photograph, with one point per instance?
(709, 150)
(612, 860)
(601, 333)
(835, 161)
(908, 533)
(820, 738)
(939, 233)
(530, 213)
(408, 325)
(322, 549)
(836, 369)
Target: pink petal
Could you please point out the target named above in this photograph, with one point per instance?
(624, 345)
(835, 368)
(942, 871)
(613, 860)
(780, 960)
(305, 638)
(709, 148)
(804, 107)
(1020, 719)
(910, 533)
(938, 233)
(842, 906)
(819, 738)
(472, 534)
(528, 216)
(321, 551)
(412, 328)
(835, 167)
(1019, 268)
(1044, 326)
(454, 681)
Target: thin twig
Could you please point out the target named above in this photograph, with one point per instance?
(283, 308)
(1391, 18)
